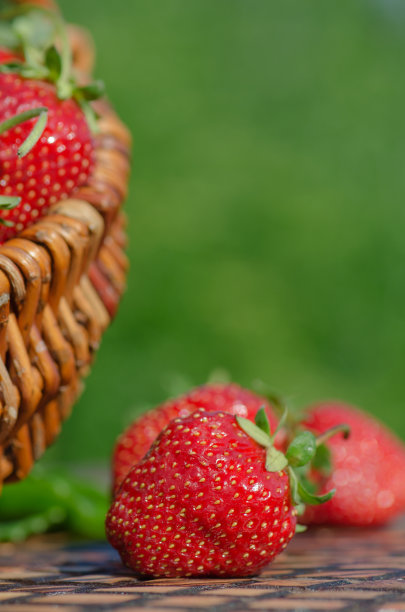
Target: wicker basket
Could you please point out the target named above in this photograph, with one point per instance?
(60, 284)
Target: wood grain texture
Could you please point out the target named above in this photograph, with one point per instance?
(323, 569)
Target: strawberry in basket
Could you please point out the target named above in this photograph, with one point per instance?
(53, 315)
(46, 144)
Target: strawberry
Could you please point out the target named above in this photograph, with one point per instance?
(56, 165)
(212, 497)
(46, 145)
(133, 444)
(367, 469)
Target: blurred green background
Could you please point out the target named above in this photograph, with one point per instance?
(266, 214)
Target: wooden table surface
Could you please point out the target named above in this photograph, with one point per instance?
(323, 569)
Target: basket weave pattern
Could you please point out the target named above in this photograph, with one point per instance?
(60, 284)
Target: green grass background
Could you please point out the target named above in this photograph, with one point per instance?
(266, 213)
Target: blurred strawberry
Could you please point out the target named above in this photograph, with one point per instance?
(367, 469)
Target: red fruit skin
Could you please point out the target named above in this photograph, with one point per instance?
(59, 162)
(7, 56)
(136, 440)
(201, 503)
(367, 469)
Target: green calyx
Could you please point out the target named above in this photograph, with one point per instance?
(304, 450)
(40, 36)
(7, 203)
(280, 403)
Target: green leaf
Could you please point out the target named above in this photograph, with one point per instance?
(294, 487)
(12, 66)
(27, 71)
(275, 460)
(90, 114)
(21, 118)
(20, 529)
(53, 62)
(322, 459)
(254, 431)
(262, 421)
(9, 202)
(93, 91)
(308, 485)
(309, 498)
(300, 528)
(34, 135)
(302, 449)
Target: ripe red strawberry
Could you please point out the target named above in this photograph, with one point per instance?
(56, 165)
(212, 497)
(202, 503)
(367, 469)
(46, 146)
(134, 443)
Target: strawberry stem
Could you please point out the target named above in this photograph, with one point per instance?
(63, 84)
(299, 453)
(281, 423)
(344, 429)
